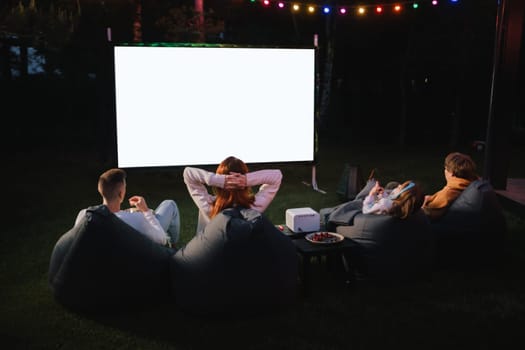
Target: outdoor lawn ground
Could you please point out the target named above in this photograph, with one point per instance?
(451, 309)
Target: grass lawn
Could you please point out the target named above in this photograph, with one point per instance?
(482, 309)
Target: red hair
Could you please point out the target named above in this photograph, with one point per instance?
(231, 198)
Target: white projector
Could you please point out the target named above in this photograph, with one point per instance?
(302, 220)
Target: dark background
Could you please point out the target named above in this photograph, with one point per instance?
(419, 77)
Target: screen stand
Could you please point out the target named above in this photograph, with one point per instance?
(314, 182)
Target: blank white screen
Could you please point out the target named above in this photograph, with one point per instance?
(198, 105)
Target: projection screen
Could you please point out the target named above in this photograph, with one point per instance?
(180, 105)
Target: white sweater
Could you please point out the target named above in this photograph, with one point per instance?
(377, 205)
(144, 222)
(197, 179)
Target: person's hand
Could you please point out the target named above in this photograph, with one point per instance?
(376, 190)
(235, 181)
(138, 202)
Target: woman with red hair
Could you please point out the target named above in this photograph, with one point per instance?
(231, 186)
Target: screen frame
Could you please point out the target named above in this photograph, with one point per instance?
(280, 135)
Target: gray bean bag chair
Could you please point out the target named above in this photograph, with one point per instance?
(392, 249)
(103, 264)
(241, 263)
(473, 230)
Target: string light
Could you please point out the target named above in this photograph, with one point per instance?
(362, 9)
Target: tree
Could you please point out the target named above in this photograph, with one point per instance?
(137, 22)
(45, 25)
(199, 23)
(187, 24)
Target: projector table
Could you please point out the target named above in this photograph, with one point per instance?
(307, 250)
